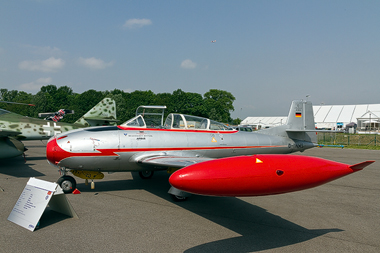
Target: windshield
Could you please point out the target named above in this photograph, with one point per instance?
(137, 121)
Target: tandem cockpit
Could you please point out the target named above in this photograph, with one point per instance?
(147, 119)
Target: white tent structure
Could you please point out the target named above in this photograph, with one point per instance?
(264, 122)
(366, 116)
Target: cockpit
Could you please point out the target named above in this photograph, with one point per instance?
(182, 121)
(176, 121)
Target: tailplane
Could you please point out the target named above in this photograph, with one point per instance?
(104, 113)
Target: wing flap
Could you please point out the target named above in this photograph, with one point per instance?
(172, 161)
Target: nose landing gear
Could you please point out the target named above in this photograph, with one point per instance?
(67, 183)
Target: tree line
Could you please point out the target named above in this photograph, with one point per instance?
(214, 104)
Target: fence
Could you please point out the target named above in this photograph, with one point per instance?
(348, 139)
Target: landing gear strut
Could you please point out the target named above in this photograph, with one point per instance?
(177, 198)
(67, 183)
(178, 195)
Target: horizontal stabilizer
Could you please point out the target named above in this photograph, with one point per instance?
(311, 130)
(362, 165)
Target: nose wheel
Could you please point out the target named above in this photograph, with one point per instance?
(67, 183)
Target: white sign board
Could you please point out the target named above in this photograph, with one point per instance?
(33, 201)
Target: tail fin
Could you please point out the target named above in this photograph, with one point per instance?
(360, 166)
(300, 124)
(104, 113)
(301, 116)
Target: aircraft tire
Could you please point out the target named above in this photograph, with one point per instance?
(146, 174)
(67, 183)
(176, 198)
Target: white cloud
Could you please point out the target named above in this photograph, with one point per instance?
(136, 23)
(188, 64)
(49, 65)
(36, 85)
(46, 51)
(93, 63)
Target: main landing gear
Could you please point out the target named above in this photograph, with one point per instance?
(146, 174)
(176, 195)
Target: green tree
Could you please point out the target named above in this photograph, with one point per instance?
(137, 98)
(18, 97)
(236, 121)
(218, 104)
(82, 103)
(51, 99)
(187, 103)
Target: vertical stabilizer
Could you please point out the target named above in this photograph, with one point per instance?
(104, 113)
(301, 116)
(300, 124)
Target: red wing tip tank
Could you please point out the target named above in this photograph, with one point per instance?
(259, 175)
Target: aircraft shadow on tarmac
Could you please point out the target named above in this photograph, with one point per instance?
(17, 167)
(259, 229)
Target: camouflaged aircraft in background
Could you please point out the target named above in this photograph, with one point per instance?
(15, 127)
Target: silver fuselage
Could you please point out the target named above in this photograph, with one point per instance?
(111, 149)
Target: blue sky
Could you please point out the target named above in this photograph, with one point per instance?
(267, 53)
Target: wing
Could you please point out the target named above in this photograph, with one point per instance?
(9, 146)
(6, 133)
(171, 161)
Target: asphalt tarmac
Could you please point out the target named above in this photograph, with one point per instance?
(127, 214)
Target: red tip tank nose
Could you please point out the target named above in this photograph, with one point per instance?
(51, 148)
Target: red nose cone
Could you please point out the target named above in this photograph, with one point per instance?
(50, 150)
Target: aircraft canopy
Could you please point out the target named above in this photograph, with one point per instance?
(180, 121)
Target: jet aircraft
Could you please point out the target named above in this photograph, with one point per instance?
(15, 127)
(181, 141)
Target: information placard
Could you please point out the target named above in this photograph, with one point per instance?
(33, 201)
